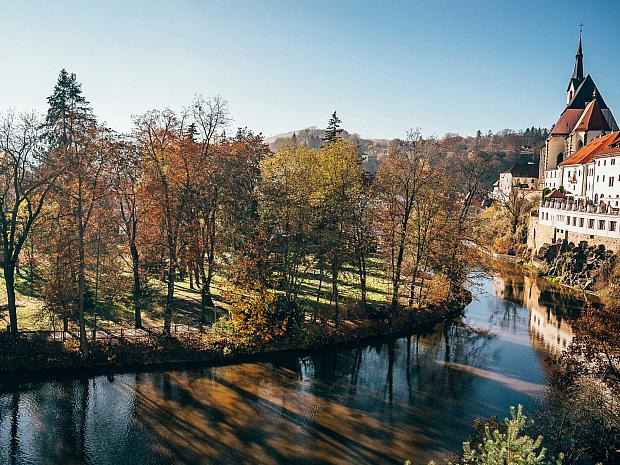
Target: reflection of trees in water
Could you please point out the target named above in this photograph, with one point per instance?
(374, 404)
(395, 399)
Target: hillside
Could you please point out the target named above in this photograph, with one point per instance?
(507, 146)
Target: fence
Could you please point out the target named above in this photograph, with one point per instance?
(111, 333)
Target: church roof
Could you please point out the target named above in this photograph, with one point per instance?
(567, 121)
(584, 93)
(592, 118)
(598, 146)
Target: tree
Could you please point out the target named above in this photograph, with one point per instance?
(79, 146)
(287, 212)
(160, 136)
(510, 447)
(126, 181)
(401, 177)
(333, 130)
(339, 177)
(468, 184)
(507, 447)
(25, 182)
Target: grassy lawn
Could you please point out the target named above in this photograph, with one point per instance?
(32, 316)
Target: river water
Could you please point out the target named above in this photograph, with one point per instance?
(396, 399)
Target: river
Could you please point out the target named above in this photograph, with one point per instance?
(406, 398)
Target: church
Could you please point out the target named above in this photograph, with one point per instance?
(580, 168)
(585, 117)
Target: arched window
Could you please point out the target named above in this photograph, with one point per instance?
(579, 145)
(596, 199)
(560, 157)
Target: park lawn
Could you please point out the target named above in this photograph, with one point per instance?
(187, 301)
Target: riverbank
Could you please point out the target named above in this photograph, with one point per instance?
(216, 345)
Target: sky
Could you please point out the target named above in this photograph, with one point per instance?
(385, 66)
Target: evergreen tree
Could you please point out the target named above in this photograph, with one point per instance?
(67, 108)
(508, 447)
(333, 131)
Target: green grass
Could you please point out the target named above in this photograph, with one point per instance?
(31, 314)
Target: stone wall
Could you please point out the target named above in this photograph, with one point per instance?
(539, 234)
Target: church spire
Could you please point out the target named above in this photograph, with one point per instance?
(578, 71)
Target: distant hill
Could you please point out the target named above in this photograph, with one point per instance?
(508, 146)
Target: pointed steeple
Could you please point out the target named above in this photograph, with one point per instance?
(578, 71)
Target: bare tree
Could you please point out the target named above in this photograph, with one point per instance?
(25, 182)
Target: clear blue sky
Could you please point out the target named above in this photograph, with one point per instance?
(444, 66)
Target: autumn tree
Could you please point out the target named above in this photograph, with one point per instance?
(79, 146)
(168, 178)
(207, 190)
(406, 171)
(25, 182)
(288, 213)
(469, 181)
(126, 183)
(339, 179)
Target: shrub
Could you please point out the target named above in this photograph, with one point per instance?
(264, 314)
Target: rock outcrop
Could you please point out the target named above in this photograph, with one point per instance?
(578, 265)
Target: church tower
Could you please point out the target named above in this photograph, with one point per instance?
(585, 117)
(577, 77)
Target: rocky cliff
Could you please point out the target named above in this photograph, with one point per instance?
(578, 265)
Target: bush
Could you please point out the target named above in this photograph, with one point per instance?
(502, 245)
(264, 314)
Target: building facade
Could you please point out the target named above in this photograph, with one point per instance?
(580, 166)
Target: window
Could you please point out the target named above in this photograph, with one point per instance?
(568, 220)
(601, 225)
(574, 221)
(611, 181)
(612, 225)
(591, 224)
(581, 222)
(613, 162)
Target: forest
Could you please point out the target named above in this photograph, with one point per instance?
(181, 221)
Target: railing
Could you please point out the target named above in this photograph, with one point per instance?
(579, 205)
(110, 333)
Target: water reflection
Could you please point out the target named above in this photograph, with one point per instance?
(412, 397)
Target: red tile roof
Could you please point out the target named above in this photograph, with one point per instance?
(592, 119)
(555, 194)
(609, 143)
(568, 120)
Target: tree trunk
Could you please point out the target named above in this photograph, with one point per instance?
(362, 275)
(137, 289)
(335, 293)
(197, 274)
(414, 278)
(170, 294)
(397, 271)
(81, 291)
(190, 272)
(9, 280)
(205, 294)
(318, 295)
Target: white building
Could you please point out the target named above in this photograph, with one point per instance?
(585, 117)
(580, 164)
(523, 176)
